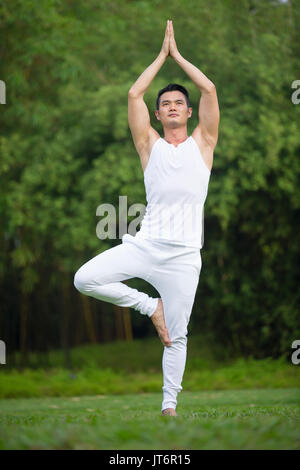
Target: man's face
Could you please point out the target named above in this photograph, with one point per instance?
(173, 111)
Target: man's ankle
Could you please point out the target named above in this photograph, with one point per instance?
(169, 412)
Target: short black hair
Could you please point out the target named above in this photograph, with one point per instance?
(173, 87)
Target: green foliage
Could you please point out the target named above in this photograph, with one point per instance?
(65, 148)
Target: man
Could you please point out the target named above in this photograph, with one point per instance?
(166, 251)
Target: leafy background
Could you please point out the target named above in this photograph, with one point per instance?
(66, 148)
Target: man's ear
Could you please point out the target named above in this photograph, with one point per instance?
(157, 115)
(190, 112)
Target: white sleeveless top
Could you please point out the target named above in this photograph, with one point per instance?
(176, 183)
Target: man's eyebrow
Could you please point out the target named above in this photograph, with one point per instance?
(167, 101)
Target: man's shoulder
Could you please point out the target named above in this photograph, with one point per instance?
(206, 150)
(148, 143)
(146, 147)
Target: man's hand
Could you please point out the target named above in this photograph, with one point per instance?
(173, 48)
(165, 49)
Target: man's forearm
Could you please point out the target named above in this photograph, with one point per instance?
(200, 80)
(140, 87)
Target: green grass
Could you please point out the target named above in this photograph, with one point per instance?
(135, 367)
(229, 419)
(111, 399)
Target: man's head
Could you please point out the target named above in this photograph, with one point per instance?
(173, 87)
(173, 107)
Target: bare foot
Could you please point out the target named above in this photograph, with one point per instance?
(158, 321)
(169, 412)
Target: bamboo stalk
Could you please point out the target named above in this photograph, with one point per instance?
(91, 330)
(127, 324)
(118, 322)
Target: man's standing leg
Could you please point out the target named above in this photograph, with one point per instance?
(176, 278)
(174, 357)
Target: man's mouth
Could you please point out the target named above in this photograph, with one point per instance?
(171, 115)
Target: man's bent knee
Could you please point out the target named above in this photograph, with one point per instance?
(81, 282)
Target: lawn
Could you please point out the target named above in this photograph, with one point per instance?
(135, 367)
(220, 419)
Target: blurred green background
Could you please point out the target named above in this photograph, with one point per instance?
(66, 148)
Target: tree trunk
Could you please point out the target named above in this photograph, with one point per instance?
(123, 323)
(23, 329)
(127, 324)
(105, 330)
(118, 322)
(65, 322)
(90, 326)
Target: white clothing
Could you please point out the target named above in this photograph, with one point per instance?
(165, 252)
(174, 272)
(176, 183)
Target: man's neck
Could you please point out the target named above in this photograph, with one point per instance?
(175, 136)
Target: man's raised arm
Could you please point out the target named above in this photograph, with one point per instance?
(208, 113)
(138, 114)
(142, 84)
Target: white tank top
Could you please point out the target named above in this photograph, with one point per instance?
(176, 183)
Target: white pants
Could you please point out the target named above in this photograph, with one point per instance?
(173, 270)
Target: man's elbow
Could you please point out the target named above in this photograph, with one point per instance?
(132, 93)
(211, 88)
